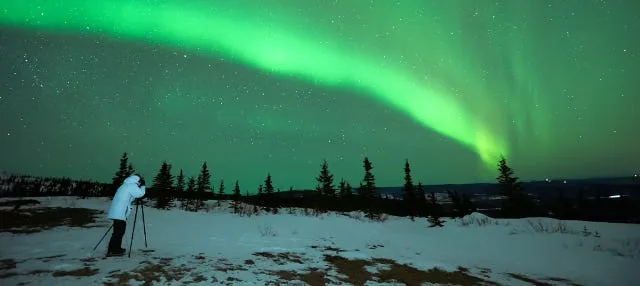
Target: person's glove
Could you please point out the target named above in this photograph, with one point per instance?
(141, 182)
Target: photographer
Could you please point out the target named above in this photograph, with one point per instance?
(133, 188)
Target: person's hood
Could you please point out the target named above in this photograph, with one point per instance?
(133, 179)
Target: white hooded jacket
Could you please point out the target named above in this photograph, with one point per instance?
(126, 194)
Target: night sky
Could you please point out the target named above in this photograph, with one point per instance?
(257, 86)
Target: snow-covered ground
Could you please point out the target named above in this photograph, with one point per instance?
(219, 248)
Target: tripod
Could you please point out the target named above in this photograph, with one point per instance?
(144, 227)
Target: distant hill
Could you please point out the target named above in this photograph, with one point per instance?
(544, 190)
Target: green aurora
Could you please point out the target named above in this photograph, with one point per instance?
(498, 77)
(276, 47)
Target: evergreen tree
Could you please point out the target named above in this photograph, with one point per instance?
(342, 187)
(408, 190)
(203, 184)
(220, 192)
(368, 189)
(435, 217)
(236, 198)
(204, 180)
(345, 195)
(130, 170)
(460, 203)
(515, 204)
(268, 186)
(268, 192)
(180, 182)
(122, 172)
(179, 188)
(421, 200)
(325, 181)
(189, 203)
(163, 186)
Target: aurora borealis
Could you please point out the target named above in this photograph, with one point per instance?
(275, 86)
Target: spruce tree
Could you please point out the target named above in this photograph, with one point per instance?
(179, 188)
(220, 192)
(203, 185)
(435, 217)
(180, 182)
(163, 186)
(421, 200)
(121, 174)
(461, 204)
(368, 189)
(130, 170)
(190, 194)
(204, 180)
(236, 198)
(268, 185)
(342, 187)
(515, 203)
(325, 185)
(268, 192)
(408, 190)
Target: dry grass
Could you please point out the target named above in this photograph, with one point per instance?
(313, 277)
(82, 272)
(6, 264)
(541, 282)
(562, 280)
(17, 203)
(224, 265)
(28, 273)
(328, 248)
(38, 219)
(354, 272)
(281, 258)
(150, 273)
(528, 280)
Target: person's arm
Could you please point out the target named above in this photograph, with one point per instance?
(138, 192)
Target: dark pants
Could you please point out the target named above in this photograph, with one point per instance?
(119, 226)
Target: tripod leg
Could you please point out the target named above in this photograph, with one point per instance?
(105, 234)
(144, 226)
(133, 229)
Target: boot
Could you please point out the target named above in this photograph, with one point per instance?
(116, 252)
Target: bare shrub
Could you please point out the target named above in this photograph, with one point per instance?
(542, 226)
(629, 247)
(248, 210)
(380, 218)
(267, 231)
(210, 207)
(356, 215)
(477, 220)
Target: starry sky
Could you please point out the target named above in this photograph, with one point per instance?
(255, 86)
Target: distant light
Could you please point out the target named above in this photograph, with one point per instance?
(636, 175)
(614, 197)
(565, 181)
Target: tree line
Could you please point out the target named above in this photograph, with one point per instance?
(167, 190)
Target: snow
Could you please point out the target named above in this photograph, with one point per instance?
(535, 247)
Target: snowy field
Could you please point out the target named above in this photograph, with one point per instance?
(51, 243)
